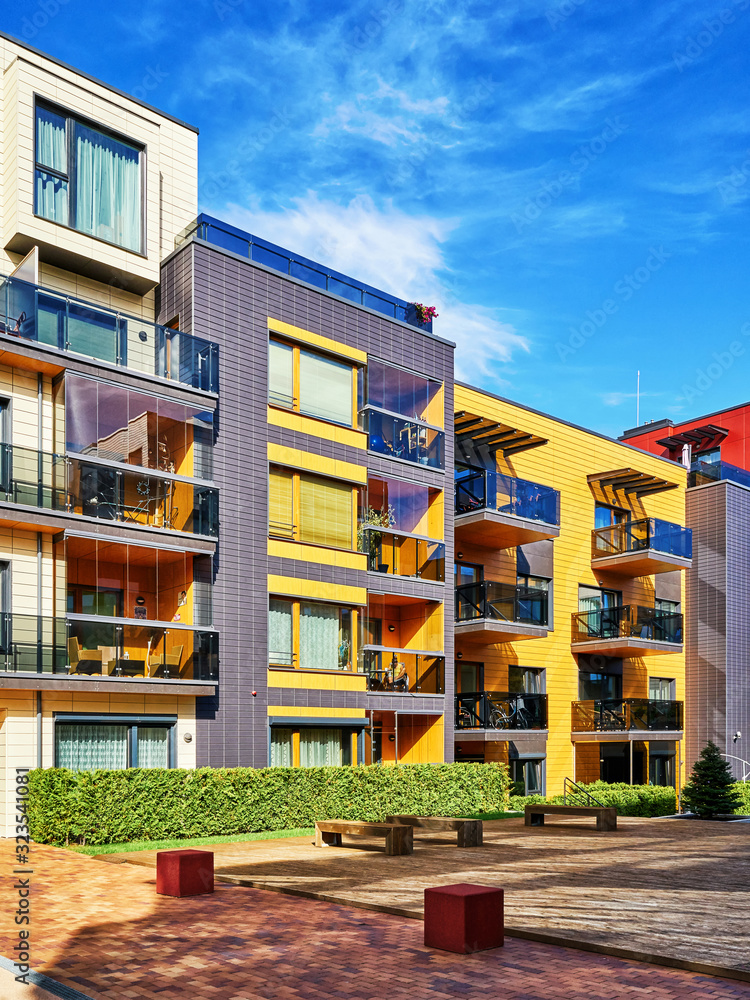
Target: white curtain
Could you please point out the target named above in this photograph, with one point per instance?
(153, 746)
(320, 747)
(51, 192)
(319, 637)
(108, 188)
(280, 632)
(325, 388)
(281, 747)
(87, 748)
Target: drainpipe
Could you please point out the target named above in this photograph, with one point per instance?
(395, 745)
(631, 761)
(39, 589)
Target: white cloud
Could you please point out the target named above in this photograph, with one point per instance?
(395, 251)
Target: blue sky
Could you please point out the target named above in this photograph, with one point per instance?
(566, 181)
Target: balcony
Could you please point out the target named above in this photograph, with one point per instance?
(630, 630)
(500, 711)
(641, 548)
(702, 473)
(400, 554)
(401, 671)
(54, 482)
(625, 714)
(394, 436)
(498, 511)
(491, 612)
(254, 248)
(36, 315)
(100, 649)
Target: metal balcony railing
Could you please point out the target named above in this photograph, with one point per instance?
(501, 602)
(39, 315)
(56, 482)
(623, 714)
(96, 646)
(401, 672)
(398, 554)
(710, 472)
(500, 710)
(639, 536)
(629, 621)
(480, 489)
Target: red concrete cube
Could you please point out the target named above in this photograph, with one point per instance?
(463, 918)
(184, 873)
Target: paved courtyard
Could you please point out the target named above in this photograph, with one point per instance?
(100, 928)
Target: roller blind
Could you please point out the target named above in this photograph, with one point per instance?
(280, 503)
(325, 388)
(325, 512)
(280, 380)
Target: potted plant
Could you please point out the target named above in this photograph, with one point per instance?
(425, 314)
(371, 541)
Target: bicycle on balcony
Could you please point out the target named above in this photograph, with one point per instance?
(516, 716)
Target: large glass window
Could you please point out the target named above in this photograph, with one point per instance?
(111, 422)
(399, 391)
(321, 639)
(661, 688)
(311, 383)
(112, 745)
(281, 747)
(280, 650)
(597, 686)
(311, 509)
(323, 748)
(87, 180)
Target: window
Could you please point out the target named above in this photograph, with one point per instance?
(310, 383)
(596, 599)
(599, 687)
(605, 516)
(310, 746)
(528, 773)
(404, 392)
(667, 607)
(404, 414)
(311, 509)
(281, 747)
(467, 573)
(87, 180)
(661, 688)
(114, 743)
(525, 680)
(310, 635)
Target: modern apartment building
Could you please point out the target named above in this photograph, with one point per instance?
(108, 512)
(333, 460)
(569, 569)
(716, 449)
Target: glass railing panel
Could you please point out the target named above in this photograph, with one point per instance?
(709, 472)
(99, 647)
(32, 643)
(501, 602)
(500, 710)
(397, 437)
(671, 538)
(627, 621)
(402, 555)
(639, 536)
(624, 714)
(401, 672)
(479, 489)
(33, 313)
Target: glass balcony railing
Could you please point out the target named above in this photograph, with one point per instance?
(55, 482)
(402, 555)
(480, 489)
(222, 234)
(629, 621)
(96, 647)
(501, 602)
(710, 472)
(500, 710)
(399, 437)
(622, 714)
(401, 672)
(639, 536)
(38, 315)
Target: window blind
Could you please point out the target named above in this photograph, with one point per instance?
(325, 512)
(325, 388)
(280, 503)
(280, 376)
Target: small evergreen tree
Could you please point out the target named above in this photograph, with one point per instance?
(710, 791)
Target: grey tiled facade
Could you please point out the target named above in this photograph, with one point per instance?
(227, 298)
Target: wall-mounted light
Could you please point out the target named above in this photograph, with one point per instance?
(459, 555)
(391, 738)
(188, 738)
(391, 628)
(459, 656)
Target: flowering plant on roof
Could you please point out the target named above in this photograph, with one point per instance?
(424, 313)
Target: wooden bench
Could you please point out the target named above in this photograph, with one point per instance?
(606, 816)
(399, 839)
(469, 830)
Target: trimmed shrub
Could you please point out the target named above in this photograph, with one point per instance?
(113, 807)
(742, 788)
(631, 800)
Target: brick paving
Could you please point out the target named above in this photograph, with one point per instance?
(101, 929)
(679, 889)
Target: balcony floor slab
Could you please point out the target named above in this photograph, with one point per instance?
(627, 736)
(630, 648)
(526, 738)
(494, 530)
(93, 684)
(645, 563)
(491, 631)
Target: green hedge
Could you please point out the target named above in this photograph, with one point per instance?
(743, 790)
(110, 807)
(631, 800)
